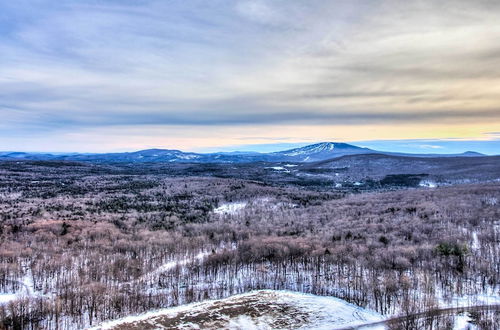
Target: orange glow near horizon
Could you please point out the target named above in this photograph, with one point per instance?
(199, 139)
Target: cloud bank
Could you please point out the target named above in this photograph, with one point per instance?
(70, 68)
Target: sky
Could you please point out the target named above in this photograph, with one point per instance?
(197, 75)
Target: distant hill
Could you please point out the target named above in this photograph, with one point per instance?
(311, 153)
(379, 166)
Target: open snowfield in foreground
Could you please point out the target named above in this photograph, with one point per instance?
(255, 310)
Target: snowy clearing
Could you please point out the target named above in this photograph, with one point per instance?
(427, 184)
(230, 208)
(278, 168)
(236, 207)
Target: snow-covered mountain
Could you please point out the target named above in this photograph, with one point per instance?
(322, 151)
(311, 153)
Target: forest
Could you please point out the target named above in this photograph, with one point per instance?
(85, 243)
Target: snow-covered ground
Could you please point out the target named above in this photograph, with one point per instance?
(7, 297)
(490, 298)
(463, 322)
(230, 208)
(428, 184)
(278, 168)
(27, 289)
(265, 309)
(168, 266)
(237, 207)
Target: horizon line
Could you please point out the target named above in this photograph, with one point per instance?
(433, 150)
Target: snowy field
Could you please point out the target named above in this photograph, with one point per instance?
(255, 310)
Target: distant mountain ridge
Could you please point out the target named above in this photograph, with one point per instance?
(322, 151)
(310, 153)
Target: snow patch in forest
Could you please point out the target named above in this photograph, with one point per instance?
(475, 242)
(27, 289)
(303, 311)
(491, 298)
(278, 168)
(168, 266)
(427, 184)
(230, 208)
(237, 207)
(7, 297)
(490, 201)
(187, 156)
(463, 322)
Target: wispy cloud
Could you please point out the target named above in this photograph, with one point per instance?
(429, 146)
(492, 135)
